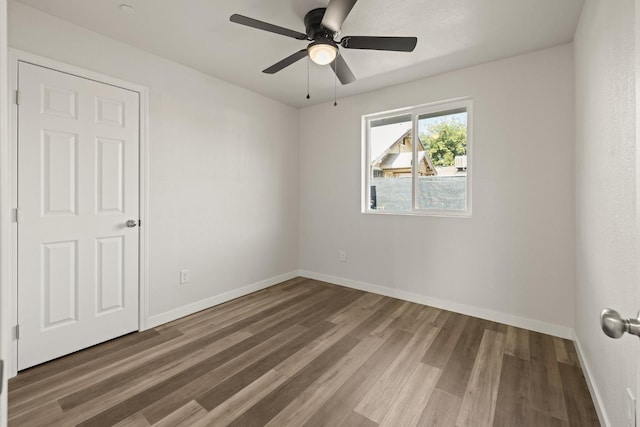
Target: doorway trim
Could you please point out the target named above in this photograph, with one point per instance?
(10, 187)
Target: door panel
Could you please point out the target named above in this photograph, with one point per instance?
(110, 164)
(59, 284)
(58, 170)
(109, 274)
(78, 147)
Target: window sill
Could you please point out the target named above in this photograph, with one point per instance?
(440, 214)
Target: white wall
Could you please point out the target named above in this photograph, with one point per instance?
(514, 259)
(223, 176)
(606, 224)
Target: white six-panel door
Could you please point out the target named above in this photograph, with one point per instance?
(78, 148)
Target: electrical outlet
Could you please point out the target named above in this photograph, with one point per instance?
(343, 256)
(631, 409)
(184, 276)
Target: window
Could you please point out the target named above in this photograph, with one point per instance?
(418, 160)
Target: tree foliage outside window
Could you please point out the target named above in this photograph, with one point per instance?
(444, 140)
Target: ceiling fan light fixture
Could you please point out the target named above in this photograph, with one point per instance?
(322, 53)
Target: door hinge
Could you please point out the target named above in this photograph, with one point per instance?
(16, 332)
(17, 97)
(16, 215)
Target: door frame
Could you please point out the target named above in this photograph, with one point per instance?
(5, 273)
(11, 187)
(637, 172)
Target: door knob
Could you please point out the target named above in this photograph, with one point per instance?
(615, 326)
(131, 223)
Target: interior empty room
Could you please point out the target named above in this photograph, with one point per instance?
(319, 213)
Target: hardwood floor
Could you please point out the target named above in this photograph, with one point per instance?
(307, 353)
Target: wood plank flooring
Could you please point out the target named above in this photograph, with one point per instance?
(308, 353)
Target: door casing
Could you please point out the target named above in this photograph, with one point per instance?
(637, 172)
(4, 202)
(10, 257)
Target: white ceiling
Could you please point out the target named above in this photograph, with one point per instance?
(452, 34)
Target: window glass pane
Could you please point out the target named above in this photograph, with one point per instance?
(442, 159)
(390, 160)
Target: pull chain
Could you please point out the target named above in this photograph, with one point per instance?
(308, 61)
(335, 81)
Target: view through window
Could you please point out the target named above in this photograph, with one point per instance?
(430, 176)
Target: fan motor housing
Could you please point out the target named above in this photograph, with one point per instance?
(313, 25)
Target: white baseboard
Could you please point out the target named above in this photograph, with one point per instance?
(509, 319)
(495, 316)
(593, 389)
(162, 318)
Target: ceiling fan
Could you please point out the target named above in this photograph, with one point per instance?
(322, 27)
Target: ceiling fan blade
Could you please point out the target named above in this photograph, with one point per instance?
(336, 13)
(254, 23)
(342, 70)
(286, 62)
(398, 44)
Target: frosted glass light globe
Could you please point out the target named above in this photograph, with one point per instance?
(322, 54)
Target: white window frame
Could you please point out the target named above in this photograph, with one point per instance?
(416, 112)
